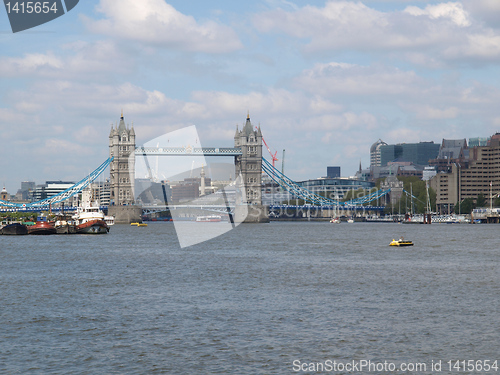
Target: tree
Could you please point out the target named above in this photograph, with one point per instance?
(496, 202)
(481, 200)
(360, 193)
(465, 207)
(419, 190)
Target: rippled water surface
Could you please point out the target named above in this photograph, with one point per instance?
(252, 301)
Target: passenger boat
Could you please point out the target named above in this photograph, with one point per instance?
(110, 220)
(14, 229)
(89, 219)
(139, 224)
(209, 219)
(401, 242)
(42, 228)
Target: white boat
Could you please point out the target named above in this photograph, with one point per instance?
(209, 219)
(89, 219)
(336, 218)
(110, 220)
(350, 220)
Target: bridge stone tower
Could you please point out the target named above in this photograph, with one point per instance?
(122, 147)
(249, 166)
(122, 173)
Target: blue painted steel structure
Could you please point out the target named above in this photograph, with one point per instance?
(267, 167)
(188, 151)
(326, 208)
(75, 189)
(311, 197)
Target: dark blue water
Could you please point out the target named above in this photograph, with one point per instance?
(250, 302)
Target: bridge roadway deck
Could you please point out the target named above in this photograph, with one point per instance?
(272, 207)
(188, 151)
(330, 207)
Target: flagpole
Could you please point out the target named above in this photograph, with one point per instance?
(491, 196)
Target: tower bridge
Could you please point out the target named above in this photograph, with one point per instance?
(247, 154)
(248, 163)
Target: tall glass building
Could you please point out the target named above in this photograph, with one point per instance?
(417, 153)
(375, 160)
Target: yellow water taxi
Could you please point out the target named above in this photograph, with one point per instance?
(401, 242)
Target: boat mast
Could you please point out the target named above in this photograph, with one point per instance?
(428, 205)
(411, 198)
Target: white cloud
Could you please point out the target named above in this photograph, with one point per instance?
(29, 64)
(348, 79)
(487, 11)
(436, 33)
(485, 46)
(338, 24)
(157, 23)
(452, 11)
(430, 112)
(74, 61)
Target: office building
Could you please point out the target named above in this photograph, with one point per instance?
(417, 153)
(451, 151)
(333, 172)
(375, 157)
(49, 189)
(480, 175)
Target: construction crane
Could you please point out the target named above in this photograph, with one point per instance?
(274, 158)
(283, 163)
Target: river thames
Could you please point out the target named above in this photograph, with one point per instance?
(277, 298)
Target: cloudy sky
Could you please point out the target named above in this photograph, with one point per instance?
(325, 79)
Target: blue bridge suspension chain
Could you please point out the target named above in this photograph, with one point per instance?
(307, 195)
(62, 196)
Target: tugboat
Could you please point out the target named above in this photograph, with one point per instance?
(89, 219)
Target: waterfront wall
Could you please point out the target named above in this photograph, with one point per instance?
(252, 213)
(126, 214)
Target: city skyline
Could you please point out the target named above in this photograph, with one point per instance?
(324, 79)
(106, 177)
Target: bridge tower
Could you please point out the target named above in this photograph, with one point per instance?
(122, 174)
(122, 148)
(249, 166)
